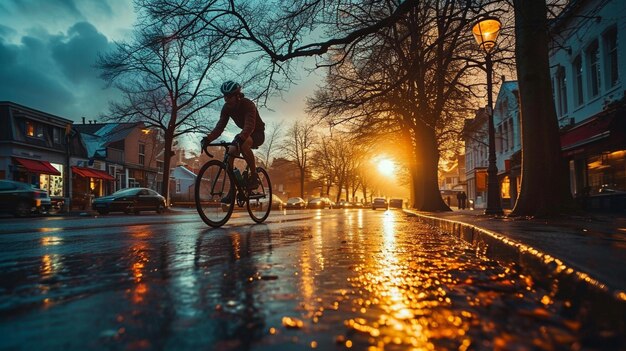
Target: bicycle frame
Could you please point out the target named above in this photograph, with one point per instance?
(239, 188)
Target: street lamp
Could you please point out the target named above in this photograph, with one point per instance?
(486, 32)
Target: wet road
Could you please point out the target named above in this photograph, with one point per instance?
(325, 279)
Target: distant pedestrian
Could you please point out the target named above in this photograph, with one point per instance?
(463, 197)
(458, 200)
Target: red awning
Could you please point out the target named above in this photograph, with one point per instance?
(91, 173)
(587, 132)
(36, 166)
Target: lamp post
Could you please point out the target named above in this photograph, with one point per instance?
(486, 32)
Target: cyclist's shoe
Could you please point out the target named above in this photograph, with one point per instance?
(253, 183)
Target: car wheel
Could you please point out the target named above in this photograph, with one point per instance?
(22, 209)
(160, 208)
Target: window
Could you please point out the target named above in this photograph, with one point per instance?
(160, 166)
(578, 73)
(610, 54)
(505, 188)
(39, 132)
(142, 154)
(30, 129)
(561, 87)
(593, 67)
(511, 141)
(56, 135)
(177, 186)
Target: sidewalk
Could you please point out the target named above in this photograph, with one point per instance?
(587, 252)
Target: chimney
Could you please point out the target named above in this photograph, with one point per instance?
(503, 78)
(83, 120)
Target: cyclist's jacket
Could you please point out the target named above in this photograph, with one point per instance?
(245, 115)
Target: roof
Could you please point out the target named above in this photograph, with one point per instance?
(97, 136)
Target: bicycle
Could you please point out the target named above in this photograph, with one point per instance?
(218, 187)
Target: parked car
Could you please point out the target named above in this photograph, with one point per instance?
(277, 203)
(319, 202)
(344, 204)
(395, 203)
(295, 202)
(380, 202)
(22, 199)
(130, 200)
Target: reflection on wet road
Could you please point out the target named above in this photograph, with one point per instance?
(312, 279)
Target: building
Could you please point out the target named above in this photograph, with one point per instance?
(182, 185)
(587, 68)
(476, 158)
(33, 148)
(112, 156)
(507, 123)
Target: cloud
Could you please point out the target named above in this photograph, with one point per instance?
(26, 84)
(55, 73)
(77, 52)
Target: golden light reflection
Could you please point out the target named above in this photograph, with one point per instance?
(236, 243)
(140, 258)
(51, 240)
(50, 265)
(406, 305)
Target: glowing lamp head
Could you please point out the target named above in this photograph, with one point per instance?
(486, 32)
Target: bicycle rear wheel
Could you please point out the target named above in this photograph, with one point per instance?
(215, 193)
(260, 200)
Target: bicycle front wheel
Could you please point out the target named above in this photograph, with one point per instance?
(215, 193)
(260, 200)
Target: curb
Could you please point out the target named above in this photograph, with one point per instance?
(588, 295)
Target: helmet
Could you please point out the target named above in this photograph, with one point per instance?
(230, 87)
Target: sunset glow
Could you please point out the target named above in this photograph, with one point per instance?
(386, 167)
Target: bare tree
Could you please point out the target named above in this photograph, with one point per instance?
(165, 81)
(298, 146)
(273, 137)
(409, 79)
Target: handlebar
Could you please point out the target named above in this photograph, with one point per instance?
(221, 143)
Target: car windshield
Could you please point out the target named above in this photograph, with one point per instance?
(294, 199)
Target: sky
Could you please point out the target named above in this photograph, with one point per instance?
(48, 49)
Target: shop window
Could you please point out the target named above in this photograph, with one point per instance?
(593, 68)
(610, 56)
(51, 183)
(505, 188)
(606, 172)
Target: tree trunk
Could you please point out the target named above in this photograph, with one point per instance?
(425, 182)
(167, 160)
(544, 188)
(302, 183)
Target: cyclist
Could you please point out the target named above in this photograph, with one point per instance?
(246, 116)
